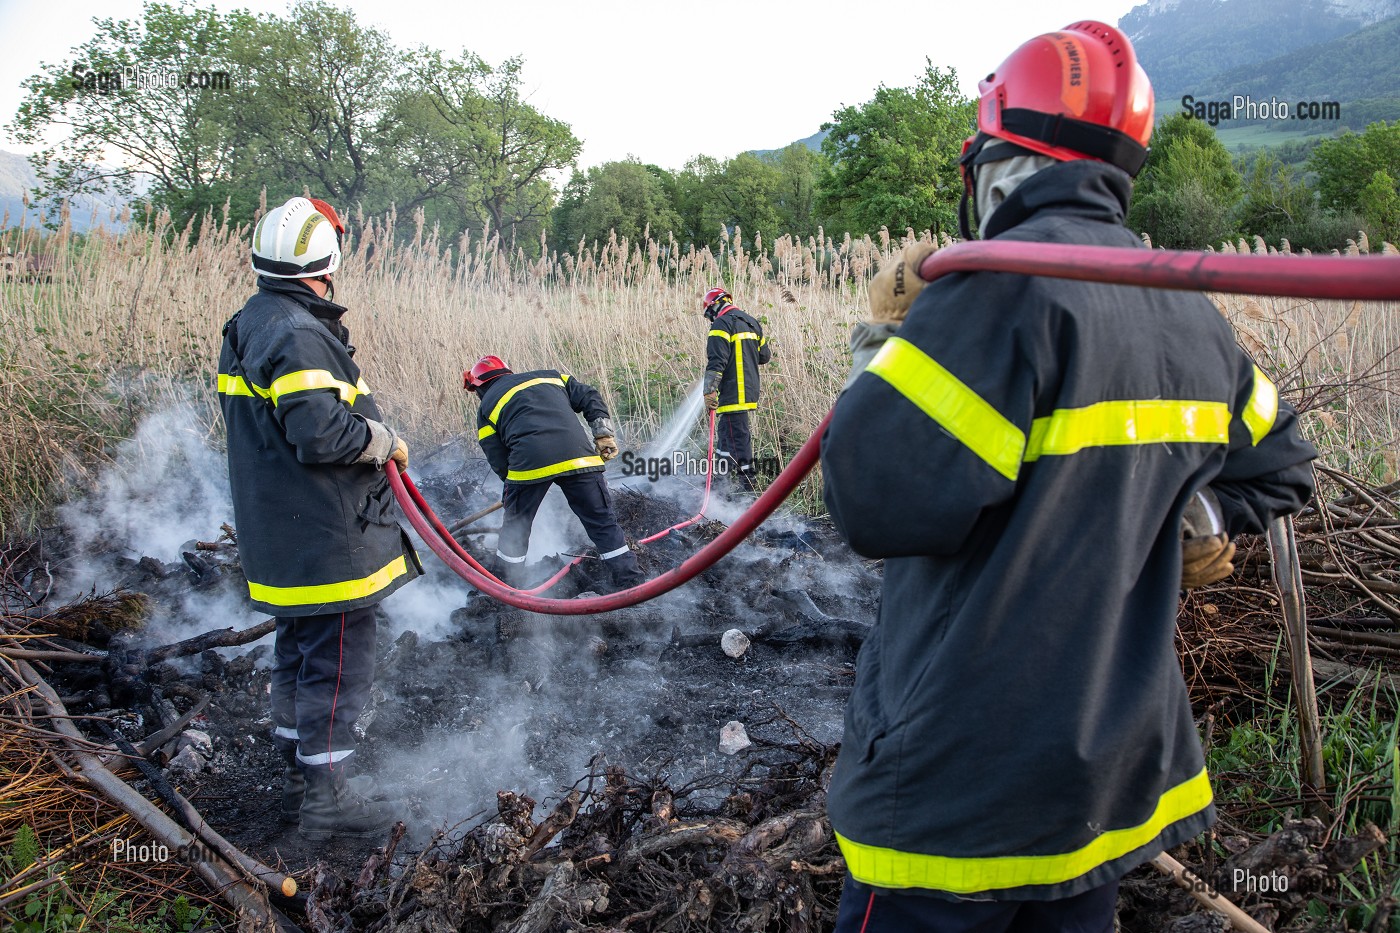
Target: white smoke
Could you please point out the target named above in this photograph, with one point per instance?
(164, 486)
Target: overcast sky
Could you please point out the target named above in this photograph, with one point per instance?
(663, 81)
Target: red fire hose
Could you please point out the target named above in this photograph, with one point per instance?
(1368, 278)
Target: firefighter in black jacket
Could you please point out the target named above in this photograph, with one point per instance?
(528, 428)
(317, 534)
(1021, 451)
(734, 349)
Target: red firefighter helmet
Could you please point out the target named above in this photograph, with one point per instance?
(1074, 94)
(712, 300)
(483, 371)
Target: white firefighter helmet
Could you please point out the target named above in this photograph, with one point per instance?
(295, 241)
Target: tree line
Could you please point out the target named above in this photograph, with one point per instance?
(319, 101)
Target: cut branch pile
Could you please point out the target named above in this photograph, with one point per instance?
(621, 853)
(1349, 548)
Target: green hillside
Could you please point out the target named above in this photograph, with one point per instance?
(1362, 67)
(1181, 44)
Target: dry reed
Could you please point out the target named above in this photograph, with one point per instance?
(138, 317)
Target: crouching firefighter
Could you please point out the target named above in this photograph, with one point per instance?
(317, 533)
(529, 430)
(734, 350)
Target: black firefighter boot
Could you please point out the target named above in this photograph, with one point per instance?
(293, 782)
(332, 808)
(625, 572)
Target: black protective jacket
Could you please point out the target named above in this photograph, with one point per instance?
(735, 349)
(528, 428)
(1021, 453)
(317, 532)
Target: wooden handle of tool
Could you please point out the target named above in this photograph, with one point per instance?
(474, 517)
(1207, 895)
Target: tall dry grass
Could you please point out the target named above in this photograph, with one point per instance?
(138, 317)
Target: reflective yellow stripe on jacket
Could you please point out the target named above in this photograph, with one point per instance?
(1262, 409)
(510, 394)
(553, 469)
(299, 381)
(946, 399)
(329, 592)
(890, 868)
(1133, 421)
(1004, 447)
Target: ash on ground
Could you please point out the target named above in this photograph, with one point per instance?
(472, 697)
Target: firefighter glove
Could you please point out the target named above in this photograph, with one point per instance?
(712, 400)
(606, 446)
(894, 287)
(383, 445)
(1206, 559)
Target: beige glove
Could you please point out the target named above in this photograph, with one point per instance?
(400, 454)
(712, 400)
(894, 288)
(1206, 559)
(606, 446)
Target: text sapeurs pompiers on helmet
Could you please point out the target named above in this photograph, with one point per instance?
(1074, 94)
(300, 239)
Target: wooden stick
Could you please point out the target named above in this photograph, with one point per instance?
(239, 893)
(474, 517)
(219, 638)
(1207, 895)
(284, 883)
(40, 654)
(1289, 578)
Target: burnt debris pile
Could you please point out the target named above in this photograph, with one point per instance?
(619, 852)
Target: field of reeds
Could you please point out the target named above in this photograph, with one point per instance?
(126, 322)
(120, 325)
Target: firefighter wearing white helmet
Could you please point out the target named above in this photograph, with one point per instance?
(317, 531)
(297, 240)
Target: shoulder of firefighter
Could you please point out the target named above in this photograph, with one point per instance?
(316, 518)
(1021, 452)
(734, 349)
(529, 430)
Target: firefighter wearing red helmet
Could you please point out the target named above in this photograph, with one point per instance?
(734, 349)
(528, 428)
(1022, 451)
(317, 531)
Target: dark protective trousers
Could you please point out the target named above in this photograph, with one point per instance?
(734, 442)
(587, 494)
(871, 910)
(323, 667)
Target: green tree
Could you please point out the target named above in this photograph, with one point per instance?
(894, 159)
(1380, 205)
(746, 194)
(1185, 196)
(695, 200)
(1276, 204)
(176, 145)
(800, 169)
(315, 112)
(1346, 165)
(626, 197)
(486, 143)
